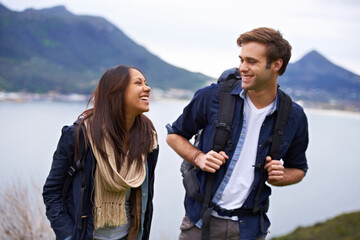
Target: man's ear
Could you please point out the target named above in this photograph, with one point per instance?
(277, 64)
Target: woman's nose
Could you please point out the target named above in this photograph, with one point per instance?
(147, 88)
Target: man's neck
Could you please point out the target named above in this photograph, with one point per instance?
(262, 99)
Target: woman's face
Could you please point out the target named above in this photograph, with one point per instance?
(137, 94)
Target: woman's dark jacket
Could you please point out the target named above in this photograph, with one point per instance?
(63, 217)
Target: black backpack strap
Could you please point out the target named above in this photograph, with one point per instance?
(80, 214)
(207, 208)
(285, 107)
(226, 112)
(73, 168)
(79, 166)
(221, 137)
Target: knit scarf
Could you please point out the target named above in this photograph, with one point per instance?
(110, 186)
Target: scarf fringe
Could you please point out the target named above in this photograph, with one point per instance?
(109, 215)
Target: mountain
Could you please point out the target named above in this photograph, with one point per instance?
(314, 77)
(53, 49)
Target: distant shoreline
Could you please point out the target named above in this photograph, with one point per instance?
(161, 95)
(332, 112)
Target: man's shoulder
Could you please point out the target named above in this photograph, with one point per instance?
(207, 94)
(210, 89)
(297, 109)
(298, 117)
(297, 114)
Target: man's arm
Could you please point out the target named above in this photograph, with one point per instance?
(209, 162)
(278, 175)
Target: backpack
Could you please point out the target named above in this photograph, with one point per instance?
(230, 79)
(74, 168)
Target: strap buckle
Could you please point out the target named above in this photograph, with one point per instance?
(223, 126)
(71, 170)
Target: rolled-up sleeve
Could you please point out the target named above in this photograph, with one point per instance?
(295, 157)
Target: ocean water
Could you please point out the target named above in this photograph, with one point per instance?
(29, 133)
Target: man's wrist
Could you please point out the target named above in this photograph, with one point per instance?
(195, 155)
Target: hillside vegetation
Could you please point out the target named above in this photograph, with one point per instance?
(55, 50)
(343, 227)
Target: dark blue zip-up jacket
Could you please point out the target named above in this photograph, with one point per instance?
(202, 113)
(64, 221)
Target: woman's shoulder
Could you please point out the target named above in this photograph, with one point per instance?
(68, 132)
(69, 129)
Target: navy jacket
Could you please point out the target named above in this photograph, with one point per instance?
(63, 219)
(202, 113)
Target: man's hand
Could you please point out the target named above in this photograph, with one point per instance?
(275, 170)
(211, 161)
(278, 175)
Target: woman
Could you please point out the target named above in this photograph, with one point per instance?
(110, 196)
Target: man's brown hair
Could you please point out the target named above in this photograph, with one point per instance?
(276, 46)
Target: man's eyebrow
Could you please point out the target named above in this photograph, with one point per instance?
(248, 58)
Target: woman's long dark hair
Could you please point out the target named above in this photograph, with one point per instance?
(107, 119)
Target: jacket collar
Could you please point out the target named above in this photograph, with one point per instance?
(242, 93)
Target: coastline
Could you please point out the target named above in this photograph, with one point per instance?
(332, 112)
(171, 95)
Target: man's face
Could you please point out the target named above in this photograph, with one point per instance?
(256, 74)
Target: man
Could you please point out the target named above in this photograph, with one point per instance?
(238, 170)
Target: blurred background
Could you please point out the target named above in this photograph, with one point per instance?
(53, 52)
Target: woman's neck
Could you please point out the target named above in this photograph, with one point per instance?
(129, 123)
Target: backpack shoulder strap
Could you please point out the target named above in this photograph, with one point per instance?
(285, 107)
(230, 78)
(226, 110)
(74, 167)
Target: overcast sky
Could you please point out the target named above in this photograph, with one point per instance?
(200, 35)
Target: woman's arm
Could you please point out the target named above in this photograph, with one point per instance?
(61, 222)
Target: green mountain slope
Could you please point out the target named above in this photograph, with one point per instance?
(52, 49)
(343, 227)
(55, 50)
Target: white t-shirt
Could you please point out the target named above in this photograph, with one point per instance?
(242, 177)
